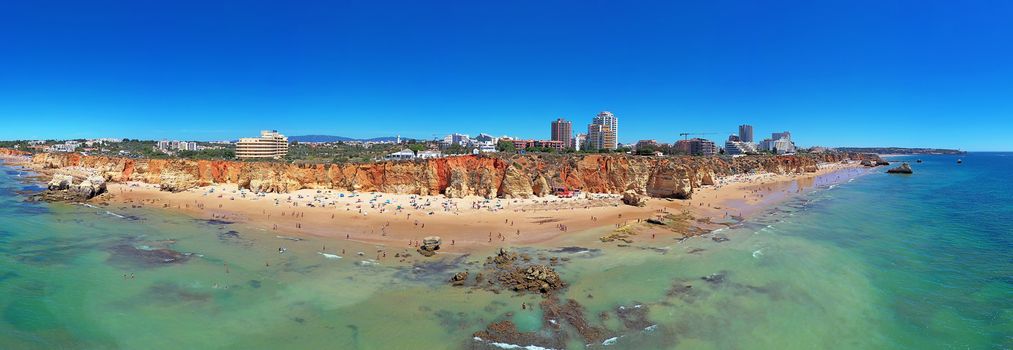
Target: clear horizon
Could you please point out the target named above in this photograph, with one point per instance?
(859, 74)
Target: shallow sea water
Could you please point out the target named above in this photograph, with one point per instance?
(884, 261)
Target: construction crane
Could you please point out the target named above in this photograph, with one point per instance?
(685, 135)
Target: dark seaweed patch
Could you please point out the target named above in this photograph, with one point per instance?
(215, 221)
(8, 275)
(127, 255)
(634, 317)
(166, 292)
(575, 250)
(56, 255)
(30, 209)
(434, 271)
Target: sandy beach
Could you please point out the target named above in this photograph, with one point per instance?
(401, 221)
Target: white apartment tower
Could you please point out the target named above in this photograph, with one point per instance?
(603, 133)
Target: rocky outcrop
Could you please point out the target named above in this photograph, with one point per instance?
(516, 272)
(904, 168)
(12, 152)
(90, 187)
(516, 176)
(429, 246)
(541, 187)
(60, 182)
(670, 181)
(631, 197)
(516, 183)
(62, 189)
(458, 186)
(176, 181)
(459, 278)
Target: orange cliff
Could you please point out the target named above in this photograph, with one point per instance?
(13, 152)
(509, 176)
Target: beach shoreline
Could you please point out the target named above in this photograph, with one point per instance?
(397, 223)
(470, 224)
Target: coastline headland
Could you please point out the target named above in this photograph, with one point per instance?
(496, 176)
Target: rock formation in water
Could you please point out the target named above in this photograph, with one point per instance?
(904, 168)
(490, 176)
(60, 182)
(429, 246)
(516, 272)
(62, 188)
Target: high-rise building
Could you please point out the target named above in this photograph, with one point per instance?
(562, 130)
(600, 137)
(595, 137)
(270, 144)
(746, 133)
(603, 132)
(780, 135)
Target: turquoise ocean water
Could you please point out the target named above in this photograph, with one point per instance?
(881, 262)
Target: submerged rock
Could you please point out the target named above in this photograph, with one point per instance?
(128, 254)
(714, 278)
(512, 271)
(655, 221)
(459, 278)
(902, 169)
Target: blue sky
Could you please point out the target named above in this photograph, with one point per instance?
(839, 73)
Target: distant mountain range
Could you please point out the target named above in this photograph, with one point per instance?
(330, 138)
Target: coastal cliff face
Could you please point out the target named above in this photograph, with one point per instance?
(515, 176)
(12, 152)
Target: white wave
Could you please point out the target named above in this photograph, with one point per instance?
(758, 253)
(610, 341)
(114, 214)
(329, 256)
(513, 346)
(651, 328)
(89, 205)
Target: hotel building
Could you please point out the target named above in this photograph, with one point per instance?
(270, 144)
